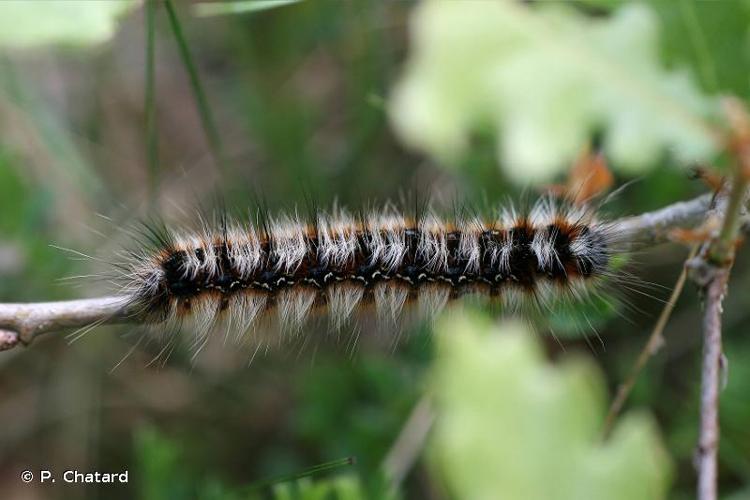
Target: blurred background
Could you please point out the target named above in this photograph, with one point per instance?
(289, 101)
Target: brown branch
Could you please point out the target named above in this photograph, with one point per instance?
(708, 444)
(24, 322)
(652, 228)
(710, 270)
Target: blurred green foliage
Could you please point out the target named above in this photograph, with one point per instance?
(74, 22)
(507, 420)
(545, 79)
(163, 475)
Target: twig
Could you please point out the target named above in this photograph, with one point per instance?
(26, 321)
(722, 251)
(8, 339)
(655, 341)
(652, 228)
(708, 444)
(710, 270)
(409, 443)
(32, 319)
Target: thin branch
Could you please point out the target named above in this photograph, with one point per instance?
(409, 443)
(32, 319)
(710, 270)
(722, 251)
(655, 341)
(708, 443)
(27, 321)
(652, 228)
(8, 339)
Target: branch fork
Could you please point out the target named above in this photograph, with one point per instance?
(710, 271)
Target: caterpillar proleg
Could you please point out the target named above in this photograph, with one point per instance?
(383, 260)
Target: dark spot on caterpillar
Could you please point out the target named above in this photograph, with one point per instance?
(267, 277)
(522, 261)
(223, 282)
(455, 274)
(410, 274)
(316, 275)
(366, 271)
(175, 263)
(177, 281)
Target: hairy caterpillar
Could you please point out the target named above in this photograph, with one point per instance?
(343, 263)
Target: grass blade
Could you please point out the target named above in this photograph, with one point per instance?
(208, 9)
(209, 126)
(333, 464)
(152, 144)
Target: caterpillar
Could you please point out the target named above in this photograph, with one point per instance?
(342, 263)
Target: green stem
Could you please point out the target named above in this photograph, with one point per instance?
(722, 251)
(702, 53)
(209, 126)
(152, 145)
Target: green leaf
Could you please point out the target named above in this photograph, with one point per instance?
(24, 23)
(544, 80)
(510, 425)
